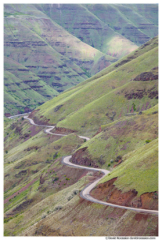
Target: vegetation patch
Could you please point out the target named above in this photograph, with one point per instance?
(139, 170)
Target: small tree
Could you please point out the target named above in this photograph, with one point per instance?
(134, 107)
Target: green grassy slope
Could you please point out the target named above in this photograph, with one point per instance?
(136, 22)
(55, 199)
(60, 58)
(141, 50)
(86, 26)
(138, 171)
(100, 100)
(53, 216)
(23, 90)
(122, 136)
(49, 35)
(46, 62)
(128, 147)
(117, 108)
(47, 52)
(30, 154)
(26, 44)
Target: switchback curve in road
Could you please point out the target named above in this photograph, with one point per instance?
(49, 128)
(85, 193)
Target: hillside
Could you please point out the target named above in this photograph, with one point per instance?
(42, 195)
(40, 46)
(60, 45)
(118, 109)
(23, 90)
(136, 22)
(121, 137)
(129, 85)
(129, 148)
(89, 28)
(114, 22)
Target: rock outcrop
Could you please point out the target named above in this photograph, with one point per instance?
(83, 159)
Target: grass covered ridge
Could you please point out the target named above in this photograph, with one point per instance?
(94, 102)
(121, 137)
(139, 170)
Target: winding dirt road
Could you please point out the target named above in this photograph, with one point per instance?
(85, 193)
(18, 115)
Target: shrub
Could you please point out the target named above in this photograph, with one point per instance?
(6, 151)
(118, 158)
(6, 220)
(58, 208)
(55, 179)
(55, 155)
(134, 107)
(109, 165)
(147, 141)
(75, 192)
(89, 174)
(70, 197)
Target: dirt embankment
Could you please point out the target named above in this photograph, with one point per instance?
(39, 120)
(59, 130)
(108, 192)
(82, 158)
